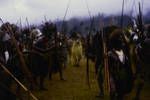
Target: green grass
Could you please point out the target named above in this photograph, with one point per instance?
(75, 87)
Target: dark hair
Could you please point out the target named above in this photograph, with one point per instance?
(115, 39)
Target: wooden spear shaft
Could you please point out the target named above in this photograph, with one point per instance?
(122, 14)
(105, 62)
(6, 70)
(107, 78)
(87, 60)
(22, 61)
(63, 21)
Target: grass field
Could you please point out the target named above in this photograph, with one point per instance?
(75, 87)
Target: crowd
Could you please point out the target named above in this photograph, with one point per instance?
(45, 51)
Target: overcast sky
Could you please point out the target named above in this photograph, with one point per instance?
(35, 10)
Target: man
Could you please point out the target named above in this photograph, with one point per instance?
(41, 48)
(57, 56)
(5, 80)
(142, 70)
(76, 52)
(119, 67)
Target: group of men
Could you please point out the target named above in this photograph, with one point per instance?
(44, 52)
(126, 56)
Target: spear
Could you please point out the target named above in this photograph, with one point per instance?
(88, 44)
(22, 61)
(140, 22)
(25, 88)
(105, 63)
(122, 23)
(20, 25)
(88, 10)
(28, 25)
(45, 18)
(62, 28)
(122, 14)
